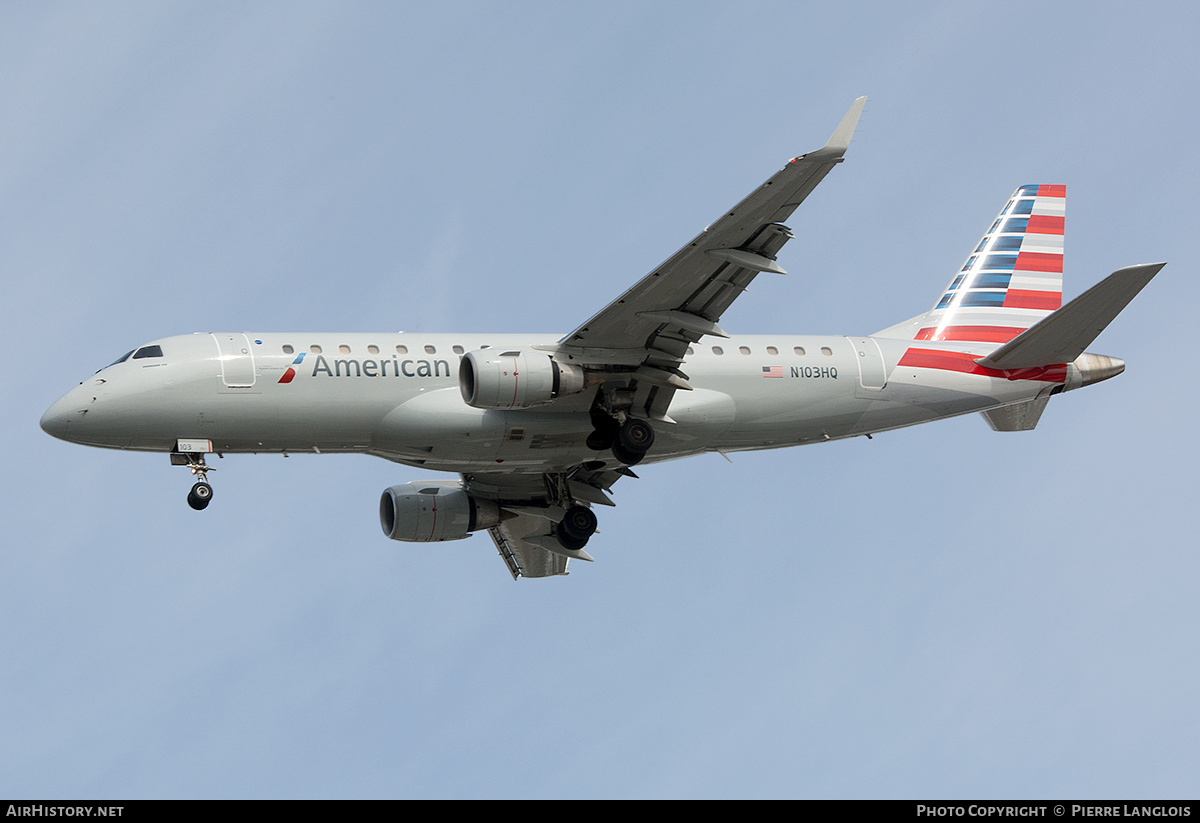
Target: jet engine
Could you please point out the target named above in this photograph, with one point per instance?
(515, 379)
(419, 512)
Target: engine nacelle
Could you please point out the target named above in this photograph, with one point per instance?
(491, 379)
(421, 512)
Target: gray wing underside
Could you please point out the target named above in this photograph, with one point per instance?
(525, 539)
(650, 326)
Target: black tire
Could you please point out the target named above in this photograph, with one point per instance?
(599, 440)
(200, 496)
(578, 523)
(567, 542)
(636, 436)
(625, 456)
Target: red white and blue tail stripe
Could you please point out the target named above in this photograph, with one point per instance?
(1013, 278)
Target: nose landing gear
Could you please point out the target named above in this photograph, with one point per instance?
(201, 494)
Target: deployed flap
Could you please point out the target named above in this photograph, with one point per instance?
(525, 538)
(1019, 417)
(525, 558)
(1064, 335)
(654, 322)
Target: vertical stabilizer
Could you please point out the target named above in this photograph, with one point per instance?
(1012, 280)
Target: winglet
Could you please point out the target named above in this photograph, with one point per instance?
(840, 141)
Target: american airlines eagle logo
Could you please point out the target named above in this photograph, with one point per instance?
(291, 373)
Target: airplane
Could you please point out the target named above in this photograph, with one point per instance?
(540, 427)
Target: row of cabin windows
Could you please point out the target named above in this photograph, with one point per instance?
(771, 350)
(344, 349)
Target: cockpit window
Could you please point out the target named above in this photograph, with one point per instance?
(120, 359)
(147, 351)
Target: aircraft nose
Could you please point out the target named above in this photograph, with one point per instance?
(58, 418)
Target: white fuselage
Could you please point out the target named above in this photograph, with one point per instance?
(397, 396)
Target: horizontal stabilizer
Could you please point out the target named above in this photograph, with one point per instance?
(1064, 335)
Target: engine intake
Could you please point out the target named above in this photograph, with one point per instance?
(515, 379)
(419, 512)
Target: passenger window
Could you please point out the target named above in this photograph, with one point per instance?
(315, 349)
(799, 350)
(148, 351)
(772, 350)
(458, 349)
(344, 349)
(718, 350)
(825, 350)
(372, 349)
(690, 351)
(402, 350)
(744, 349)
(430, 350)
(288, 350)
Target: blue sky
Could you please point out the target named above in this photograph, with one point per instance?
(943, 611)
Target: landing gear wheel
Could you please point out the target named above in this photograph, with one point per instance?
(567, 542)
(636, 436)
(200, 496)
(578, 523)
(599, 440)
(625, 456)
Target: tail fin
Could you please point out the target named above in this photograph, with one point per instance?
(1012, 280)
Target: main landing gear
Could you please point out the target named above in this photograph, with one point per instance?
(201, 494)
(578, 522)
(629, 441)
(577, 525)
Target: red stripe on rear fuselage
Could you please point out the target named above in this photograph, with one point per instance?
(964, 362)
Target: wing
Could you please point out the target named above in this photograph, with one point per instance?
(531, 506)
(646, 331)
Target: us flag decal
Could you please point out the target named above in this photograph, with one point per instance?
(772, 371)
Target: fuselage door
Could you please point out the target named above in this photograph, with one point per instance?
(237, 359)
(872, 375)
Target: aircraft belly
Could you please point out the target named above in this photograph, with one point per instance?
(248, 424)
(533, 438)
(438, 425)
(796, 402)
